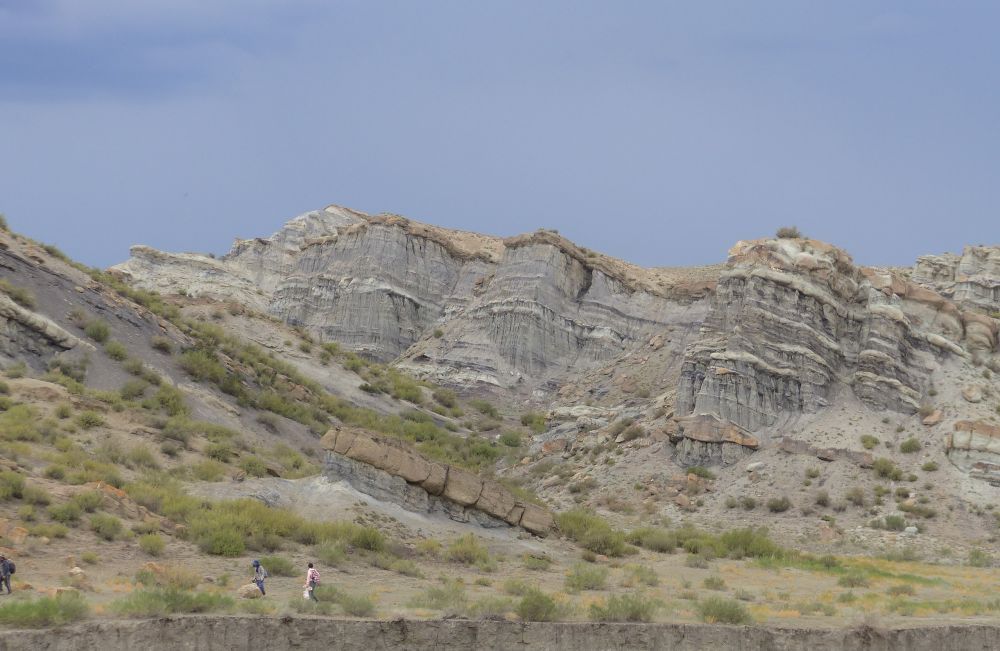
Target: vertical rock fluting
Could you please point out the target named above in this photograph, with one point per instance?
(794, 321)
(533, 307)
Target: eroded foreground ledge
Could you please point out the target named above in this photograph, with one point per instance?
(194, 633)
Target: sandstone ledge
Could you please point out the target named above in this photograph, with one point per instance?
(454, 485)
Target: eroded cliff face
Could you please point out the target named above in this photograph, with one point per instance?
(459, 306)
(794, 322)
(972, 279)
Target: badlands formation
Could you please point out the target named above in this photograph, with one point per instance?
(788, 337)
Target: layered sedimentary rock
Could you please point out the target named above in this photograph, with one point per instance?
(974, 446)
(972, 279)
(794, 321)
(391, 470)
(459, 306)
(23, 332)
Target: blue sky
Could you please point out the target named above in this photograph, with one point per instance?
(659, 132)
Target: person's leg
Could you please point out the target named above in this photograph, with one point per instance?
(260, 586)
(312, 591)
(6, 581)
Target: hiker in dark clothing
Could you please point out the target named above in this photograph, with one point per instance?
(259, 574)
(6, 569)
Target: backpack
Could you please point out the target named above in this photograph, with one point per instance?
(10, 564)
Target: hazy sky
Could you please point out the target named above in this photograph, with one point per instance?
(660, 132)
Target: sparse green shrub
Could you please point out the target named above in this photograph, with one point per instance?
(97, 330)
(278, 565)
(909, 446)
(11, 485)
(162, 344)
(812, 473)
(900, 590)
(633, 607)
(152, 544)
(788, 233)
(536, 606)
(641, 575)
(718, 610)
(779, 504)
(116, 351)
(853, 579)
(37, 495)
(822, 498)
(701, 471)
(44, 612)
(868, 441)
(19, 295)
(592, 532)
(15, 371)
(133, 389)
(88, 501)
(450, 596)
(158, 602)
(886, 469)
(894, 522)
(332, 554)
(89, 420)
(979, 558)
(445, 397)
(511, 439)
(140, 456)
(253, 466)
(468, 550)
(66, 513)
(653, 539)
(106, 526)
(714, 583)
(484, 407)
(49, 530)
(856, 496)
(748, 503)
(585, 576)
(208, 470)
(533, 421)
(930, 466)
(372, 539)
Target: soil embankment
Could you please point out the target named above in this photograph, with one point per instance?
(278, 634)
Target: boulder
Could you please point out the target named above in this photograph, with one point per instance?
(434, 484)
(344, 441)
(462, 487)
(495, 500)
(248, 591)
(367, 449)
(536, 520)
(972, 393)
(933, 418)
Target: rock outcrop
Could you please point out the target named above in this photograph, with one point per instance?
(459, 306)
(974, 446)
(972, 279)
(794, 322)
(391, 470)
(23, 332)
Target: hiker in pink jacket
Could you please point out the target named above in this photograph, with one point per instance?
(312, 579)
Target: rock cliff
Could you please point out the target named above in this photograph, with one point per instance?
(794, 323)
(459, 306)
